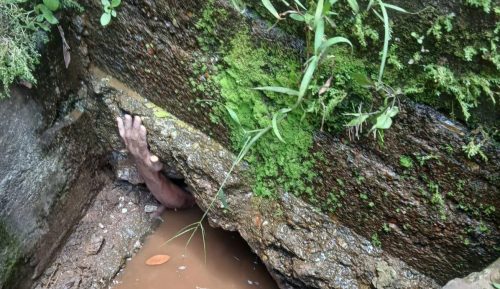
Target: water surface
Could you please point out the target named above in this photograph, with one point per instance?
(230, 262)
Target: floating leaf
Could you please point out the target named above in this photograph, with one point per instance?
(269, 6)
(105, 19)
(113, 13)
(279, 90)
(53, 5)
(157, 260)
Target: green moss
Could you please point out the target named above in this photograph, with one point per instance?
(9, 254)
(275, 164)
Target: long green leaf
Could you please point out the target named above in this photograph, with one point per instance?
(370, 4)
(279, 90)
(297, 17)
(306, 79)
(300, 4)
(387, 37)
(318, 35)
(333, 41)
(233, 115)
(319, 12)
(354, 5)
(394, 7)
(275, 122)
(269, 6)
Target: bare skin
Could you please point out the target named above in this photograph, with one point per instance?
(149, 166)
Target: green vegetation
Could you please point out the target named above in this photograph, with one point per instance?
(376, 241)
(9, 254)
(406, 162)
(109, 10)
(24, 26)
(276, 164)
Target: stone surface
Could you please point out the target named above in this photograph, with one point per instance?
(43, 189)
(301, 247)
(478, 280)
(108, 245)
(407, 214)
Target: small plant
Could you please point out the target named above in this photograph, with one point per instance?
(406, 162)
(422, 159)
(472, 149)
(376, 241)
(109, 8)
(386, 228)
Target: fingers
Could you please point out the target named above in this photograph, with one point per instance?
(137, 123)
(142, 132)
(121, 129)
(127, 123)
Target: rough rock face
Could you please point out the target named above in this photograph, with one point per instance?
(301, 247)
(45, 182)
(428, 203)
(429, 214)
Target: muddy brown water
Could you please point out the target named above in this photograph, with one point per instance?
(230, 262)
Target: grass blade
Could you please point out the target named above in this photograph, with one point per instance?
(275, 122)
(269, 6)
(318, 35)
(204, 242)
(300, 4)
(279, 90)
(354, 5)
(394, 7)
(306, 79)
(387, 37)
(319, 12)
(233, 115)
(333, 41)
(181, 232)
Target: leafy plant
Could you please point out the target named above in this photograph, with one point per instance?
(406, 162)
(109, 8)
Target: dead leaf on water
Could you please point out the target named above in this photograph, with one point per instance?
(157, 260)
